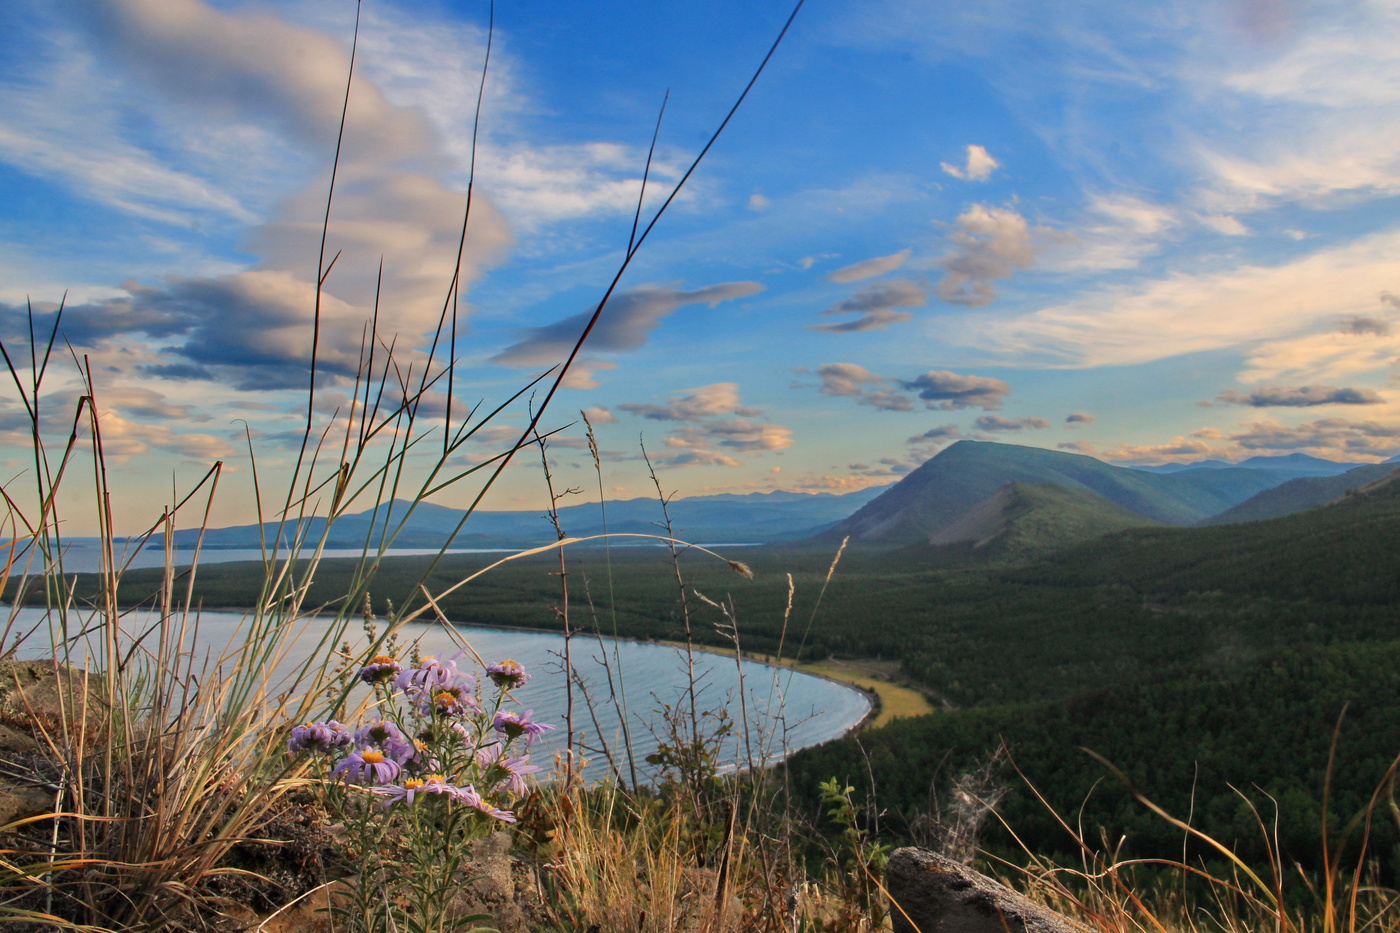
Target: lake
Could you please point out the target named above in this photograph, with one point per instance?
(786, 710)
(84, 555)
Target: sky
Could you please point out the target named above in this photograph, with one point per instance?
(1146, 232)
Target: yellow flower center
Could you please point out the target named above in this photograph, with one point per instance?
(372, 757)
(381, 659)
(436, 779)
(412, 784)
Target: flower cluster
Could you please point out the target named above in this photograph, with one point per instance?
(438, 740)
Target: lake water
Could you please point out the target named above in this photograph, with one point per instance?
(84, 555)
(786, 710)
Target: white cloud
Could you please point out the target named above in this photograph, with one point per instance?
(1225, 225)
(720, 398)
(259, 74)
(124, 439)
(599, 415)
(1115, 232)
(1320, 357)
(1161, 318)
(851, 380)
(990, 243)
(734, 433)
(709, 414)
(869, 268)
(979, 165)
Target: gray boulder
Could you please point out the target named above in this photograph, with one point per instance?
(934, 894)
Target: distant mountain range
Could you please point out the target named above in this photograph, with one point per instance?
(1297, 464)
(1297, 495)
(996, 499)
(754, 518)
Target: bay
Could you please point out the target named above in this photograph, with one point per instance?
(784, 710)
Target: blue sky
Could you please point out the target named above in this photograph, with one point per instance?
(1144, 232)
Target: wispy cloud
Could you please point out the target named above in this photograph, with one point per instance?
(1185, 313)
(998, 423)
(626, 323)
(875, 306)
(941, 433)
(714, 417)
(720, 398)
(978, 167)
(869, 268)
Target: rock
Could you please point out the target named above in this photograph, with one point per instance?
(18, 801)
(45, 697)
(933, 894)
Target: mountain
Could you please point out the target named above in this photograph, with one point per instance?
(1178, 467)
(1341, 553)
(725, 518)
(1297, 464)
(1026, 518)
(1299, 494)
(968, 472)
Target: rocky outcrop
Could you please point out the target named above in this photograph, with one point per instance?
(41, 702)
(933, 894)
(46, 698)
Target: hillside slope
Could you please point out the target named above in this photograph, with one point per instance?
(1025, 518)
(1299, 494)
(968, 472)
(1344, 552)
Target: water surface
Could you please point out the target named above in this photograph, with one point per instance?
(785, 710)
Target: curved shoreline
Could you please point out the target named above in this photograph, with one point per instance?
(875, 702)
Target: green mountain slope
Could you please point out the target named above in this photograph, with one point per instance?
(1021, 519)
(970, 471)
(1344, 552)
(1299, 494)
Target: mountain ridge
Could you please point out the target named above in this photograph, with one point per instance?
(967, 472)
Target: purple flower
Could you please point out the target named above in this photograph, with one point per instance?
(501, 771)
(430, 673)
(367, 766)
(405, 793)
(386, 737)
(380, 669)
(471, 798)
(508, 674)
(454, 698)
(318, 737)
(514, 725)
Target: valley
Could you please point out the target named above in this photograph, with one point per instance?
(1043, 600)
